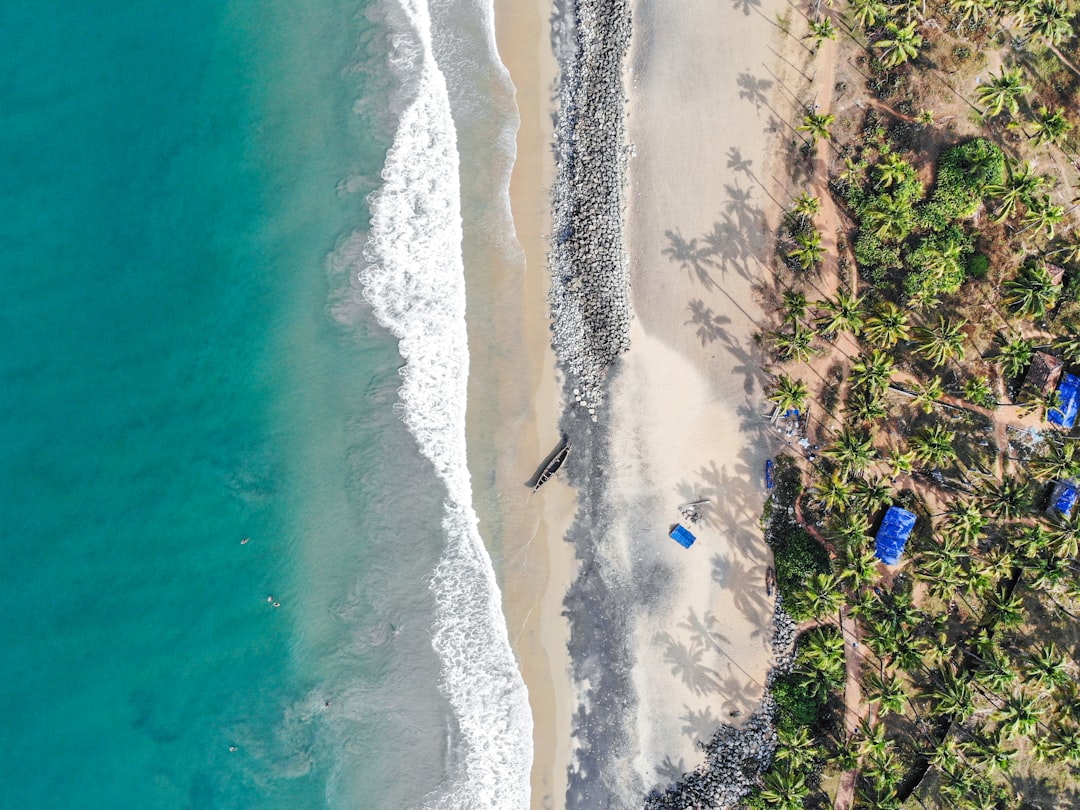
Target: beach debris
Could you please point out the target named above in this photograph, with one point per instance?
(690, 511)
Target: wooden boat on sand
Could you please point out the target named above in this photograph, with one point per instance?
(552, 466)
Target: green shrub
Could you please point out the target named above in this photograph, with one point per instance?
(978, 265)
(963, 173)
(794, 704)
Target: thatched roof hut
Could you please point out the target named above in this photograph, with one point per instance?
(1044, 373)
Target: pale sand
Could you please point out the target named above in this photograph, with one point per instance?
(538, 566)
(687, 408)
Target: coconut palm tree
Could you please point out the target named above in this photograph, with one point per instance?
(784, 788)
(853, 451)
(1032, 293)
(870, 494)
(1052, 20)
(1068, 250)
(889, 217)
(1015, 355)
(864, 407)
(860, 570)
(1050, 126)
(887, 691)
(1020, 185)
(1032, 400)
(893, 170)
(807, 206)
(823, 595)
(926, 393)
(832, 493)
(1006, 499)
(868, 13)
(977, 390)
(816, 125)
(1061, 460)
(1018, 716)
(794, 306)
(953, 696)
(940, 568)
(1065, 537)
(821, 30)
(788, 394)
(1047, 668)
(796, 345)
(899, 45)
(969, 11)
(1069, 345)
(964, 519)
(887, 325)
(934, 445)
(1003, 92)
(842, 313)
(872, 370)
(1043, 215)
(901, 461)
(808, 251)
(943, 342)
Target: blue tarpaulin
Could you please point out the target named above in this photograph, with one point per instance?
(1066, 499)
(768, 474)
(682, 536)
(1069, 391)
(893, 534)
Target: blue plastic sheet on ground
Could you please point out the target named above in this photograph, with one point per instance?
(768, 474)
(1069, 391)
(1066, 500)
(891, 538)
(682, 536)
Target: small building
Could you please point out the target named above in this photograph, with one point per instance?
(681, 535)
(1064, 415)
(1063, 499)
(891, 538)
(1044, 373)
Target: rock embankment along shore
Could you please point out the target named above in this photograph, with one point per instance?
(590, 290)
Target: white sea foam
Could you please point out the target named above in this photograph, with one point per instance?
(413, 277)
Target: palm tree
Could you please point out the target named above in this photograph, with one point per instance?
(1003, 92)
(954, 696)
(1052, 21)
(1047, 668)
(860, 570)
(864, 407)
(809, 251)
(1068, 249)
(794, 306)
(843, 313)
(965, 520)
(1065, 537)
(1050, 126)
(927, 393)
(806, 206)
(899, 45)
(1033, 292)
(870, 494)
(977, 390)
(1006, 611)
(1033, 400)
(832, 493)
(784, 788)
(1015, 355)
(795, 345)
(822, 595)
(934, 445)
(788, 394)
(852, 451)
(1043, 215)
(872, 370)
(1021, 185)
(973, 11)
(868, 13)
(1019, 716)
(893, 170)
(941, 569)
(822, 29)
(943, 342)
(890, 217)
(1061, 460)
(816, 125)
(1006, 499)
(886, 326)
(901, 461)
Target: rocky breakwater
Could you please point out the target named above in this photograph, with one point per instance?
(590, 291)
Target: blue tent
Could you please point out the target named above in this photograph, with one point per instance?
(683, 537)
(1069, 391)
(1065, 498)
(891, 538)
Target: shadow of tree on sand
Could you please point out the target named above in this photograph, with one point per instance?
(671, 770)
(686, 663)
(709, 324)
(699, 725)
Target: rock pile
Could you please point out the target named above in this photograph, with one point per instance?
(735, 757)
(590, 290)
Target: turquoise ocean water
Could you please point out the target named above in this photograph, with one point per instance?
(188, 360)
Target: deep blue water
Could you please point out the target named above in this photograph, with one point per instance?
(172, 382)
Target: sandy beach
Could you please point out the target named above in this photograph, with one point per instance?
(663, 643)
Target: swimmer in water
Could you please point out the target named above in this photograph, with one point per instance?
(244, 541)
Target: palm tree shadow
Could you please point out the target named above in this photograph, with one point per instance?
(699, 725)
(702, 630)
(753, 89)
(709, 324)
(693, 259)
(746, 6)
(670, 771)
(685, 661)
